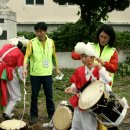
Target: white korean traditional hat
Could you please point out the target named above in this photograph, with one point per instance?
(91, 95)
(88, 49)
(14, 41)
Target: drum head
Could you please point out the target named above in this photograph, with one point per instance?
(12, 124)
(62, 118)
(91, 95)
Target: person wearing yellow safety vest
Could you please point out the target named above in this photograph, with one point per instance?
(41, 54)
(108, 56)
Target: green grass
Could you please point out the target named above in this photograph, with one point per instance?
(121, 87)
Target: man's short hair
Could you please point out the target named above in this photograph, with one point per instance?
(41, 26)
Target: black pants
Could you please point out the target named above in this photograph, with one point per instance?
(113, 128)
(36, 82)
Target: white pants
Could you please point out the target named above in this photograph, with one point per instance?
(14, 94)
(83, 120)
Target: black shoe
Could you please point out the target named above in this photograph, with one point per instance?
(6, 117)
(33, 120)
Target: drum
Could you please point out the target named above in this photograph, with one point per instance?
(111, 112)
(62, 117)
(13, 125)
(91, 95)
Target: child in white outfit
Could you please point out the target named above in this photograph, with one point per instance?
(91, 71)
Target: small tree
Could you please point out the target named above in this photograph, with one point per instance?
(93, 11)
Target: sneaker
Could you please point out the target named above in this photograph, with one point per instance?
(33, 120)
(12, 115)
(6, 117)
(48, 125)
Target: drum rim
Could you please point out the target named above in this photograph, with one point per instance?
(90, 85)
(4, 126)
(119, 120)
(69, 122)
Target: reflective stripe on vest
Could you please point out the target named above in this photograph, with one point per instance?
(39, 56)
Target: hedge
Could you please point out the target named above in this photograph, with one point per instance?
(68, 35)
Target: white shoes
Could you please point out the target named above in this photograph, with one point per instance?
(12, 115)
(48, 125)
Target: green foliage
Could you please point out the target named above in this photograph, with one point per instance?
(124, 68)
(60, 85)
(92, 11)
(66, 36)
(123, 40)
(121, 87)
(28, 35)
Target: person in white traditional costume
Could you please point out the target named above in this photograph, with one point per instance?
(11, 61)
(89, 72)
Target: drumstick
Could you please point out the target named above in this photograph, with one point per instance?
(116, 110)
(60, 89)
(63, 90)
(105, 117)
(24, 98)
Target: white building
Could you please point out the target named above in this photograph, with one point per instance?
(30, 12)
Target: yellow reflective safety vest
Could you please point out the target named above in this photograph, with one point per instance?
(41, 58)
(106, 54)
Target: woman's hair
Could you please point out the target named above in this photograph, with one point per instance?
(108, 29)
(40, 25)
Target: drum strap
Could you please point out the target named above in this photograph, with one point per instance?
(88, 82)
(84, 86)
(93, 78)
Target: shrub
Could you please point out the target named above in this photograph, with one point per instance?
(66, 36)
(28, 35)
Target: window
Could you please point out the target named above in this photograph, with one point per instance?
(67, 3)
(35, 2)
(1, 20)
(29, 2)
(4, 35)
(39, 1)
(70, 3)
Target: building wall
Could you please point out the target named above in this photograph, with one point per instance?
(120, 16)
(49, 12)
(30, 27)
(51, 27)
(68, 62)
(53, 12)
(120, 20)
(54, 15)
